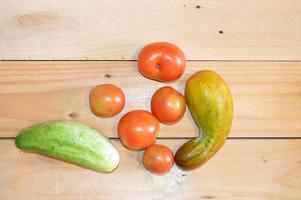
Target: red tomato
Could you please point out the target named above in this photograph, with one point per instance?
(158, 159)
(106, 100)
(138, 129)
(168, 105)
(161, 61)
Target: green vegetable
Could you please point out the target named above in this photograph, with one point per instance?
(210, 103)
(72, 142)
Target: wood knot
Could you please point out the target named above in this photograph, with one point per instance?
(36, 19)
(208, 197)
(107, 75)
(263, 159)
(72, 115)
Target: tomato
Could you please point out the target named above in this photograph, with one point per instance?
(168, 105)
(158, 159)
(138, 129)
(106, 100)
(161, 61)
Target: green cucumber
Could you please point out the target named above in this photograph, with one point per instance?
(70, 141)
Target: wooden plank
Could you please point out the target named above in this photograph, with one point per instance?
(244, 169)
(267, 95)
(106, 30)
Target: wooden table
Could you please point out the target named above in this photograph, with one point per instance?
(54, 52)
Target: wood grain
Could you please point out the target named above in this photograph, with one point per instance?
(243, 169)
(267, 95)
(116, 30)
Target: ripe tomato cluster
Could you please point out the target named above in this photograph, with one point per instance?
(138, 129)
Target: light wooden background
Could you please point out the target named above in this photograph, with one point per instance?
(255, 45)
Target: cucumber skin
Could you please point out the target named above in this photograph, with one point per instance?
(210, 102)
(70, 141)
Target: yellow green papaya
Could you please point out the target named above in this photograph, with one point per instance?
(70, 141)
(210, 103)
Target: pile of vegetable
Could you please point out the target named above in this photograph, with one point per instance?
(208, 98)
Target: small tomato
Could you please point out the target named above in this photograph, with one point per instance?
(161, 61)
(138, 129)
(106, 100)
(158, 159)
(168, 105)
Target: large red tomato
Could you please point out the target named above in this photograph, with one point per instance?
(158, 159)
(161, 61)
(168, 105)
(106, 100)
(138, 129)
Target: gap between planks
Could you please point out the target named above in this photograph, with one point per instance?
(126, 60)
(187, 138)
